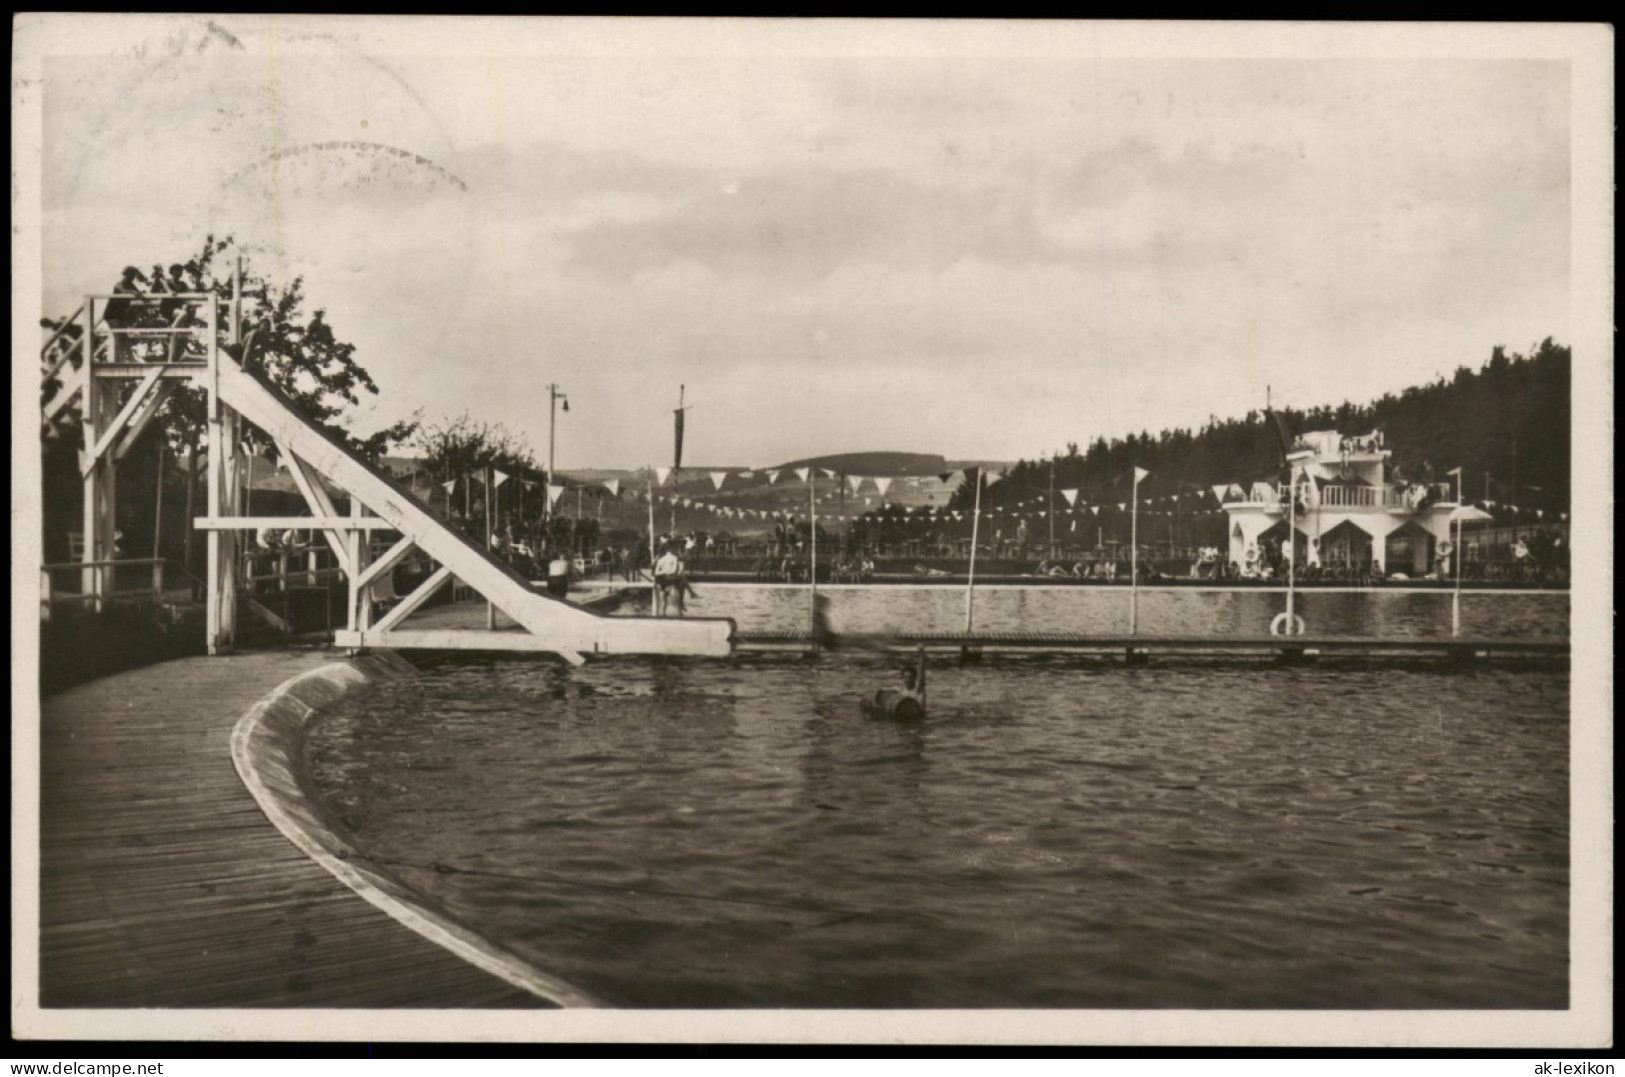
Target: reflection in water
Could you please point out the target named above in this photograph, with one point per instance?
(692, 833)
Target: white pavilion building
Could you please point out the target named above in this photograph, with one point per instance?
(1351, 512)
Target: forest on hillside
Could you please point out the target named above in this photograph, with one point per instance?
(1505, 424)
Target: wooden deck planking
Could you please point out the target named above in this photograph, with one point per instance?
(162, 883)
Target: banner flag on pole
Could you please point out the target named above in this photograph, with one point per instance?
(717, 477)
(1140, 473)
(660, 475)
(854, 481)
(614, 487)
(1071, 496)
(994, 476)
(498, 477)
(883, 485)
(803, 472)
(553, 493)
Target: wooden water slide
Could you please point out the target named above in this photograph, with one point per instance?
(550, 624)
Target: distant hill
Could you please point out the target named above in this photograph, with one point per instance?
(876, 463)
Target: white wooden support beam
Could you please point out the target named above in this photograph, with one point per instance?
(138, 425)
(116, 427)
(72, 385)
(409, 604)
(298, 523)
(320, 504)
(386, 562)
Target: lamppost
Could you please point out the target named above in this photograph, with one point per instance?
(554, 398)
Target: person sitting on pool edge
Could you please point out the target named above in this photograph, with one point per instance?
(906, 703)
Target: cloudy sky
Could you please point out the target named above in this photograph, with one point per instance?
(982, 241)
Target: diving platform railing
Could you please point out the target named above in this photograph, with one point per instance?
(120, 392)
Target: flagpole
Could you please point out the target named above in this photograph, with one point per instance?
(490, 610)
(975, 524)
(812, 537)
(1292, 551)
(1134, 558)
(1051, 506)
(1455, 599)
(651, 521)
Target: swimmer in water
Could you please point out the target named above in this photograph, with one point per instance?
(906, 703)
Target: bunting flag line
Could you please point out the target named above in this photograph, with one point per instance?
(1071, 496)
(717, 477)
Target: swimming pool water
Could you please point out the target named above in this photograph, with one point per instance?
(690, 833)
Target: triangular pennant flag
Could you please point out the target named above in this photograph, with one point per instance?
(717, 477)
(1140, 473)
(499, 477)
(660, 475)
(553, 493)
(994, 476)
(946, 475)
(614, 487)
(1071, 496)
(747, 474)
(803, 472)
(883, 485)
(1095, 509)
(449, 486)
(854, 481)
(828, 474)
(772, 477)
(1176, 498)
(1122, 506)
(1219, 491)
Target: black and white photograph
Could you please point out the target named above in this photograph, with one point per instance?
(774, 530)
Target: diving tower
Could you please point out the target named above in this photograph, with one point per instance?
(119, 392)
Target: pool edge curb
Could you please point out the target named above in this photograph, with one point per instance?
(264, 751)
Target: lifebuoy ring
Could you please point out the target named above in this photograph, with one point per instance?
(1279, 627)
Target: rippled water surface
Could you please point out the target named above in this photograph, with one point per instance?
(1056, 833)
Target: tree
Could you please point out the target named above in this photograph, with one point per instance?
(297, 353)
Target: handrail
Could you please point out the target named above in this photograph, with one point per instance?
(57, 335)
(122, 562)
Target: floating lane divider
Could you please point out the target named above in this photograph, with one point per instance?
(266, 749)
